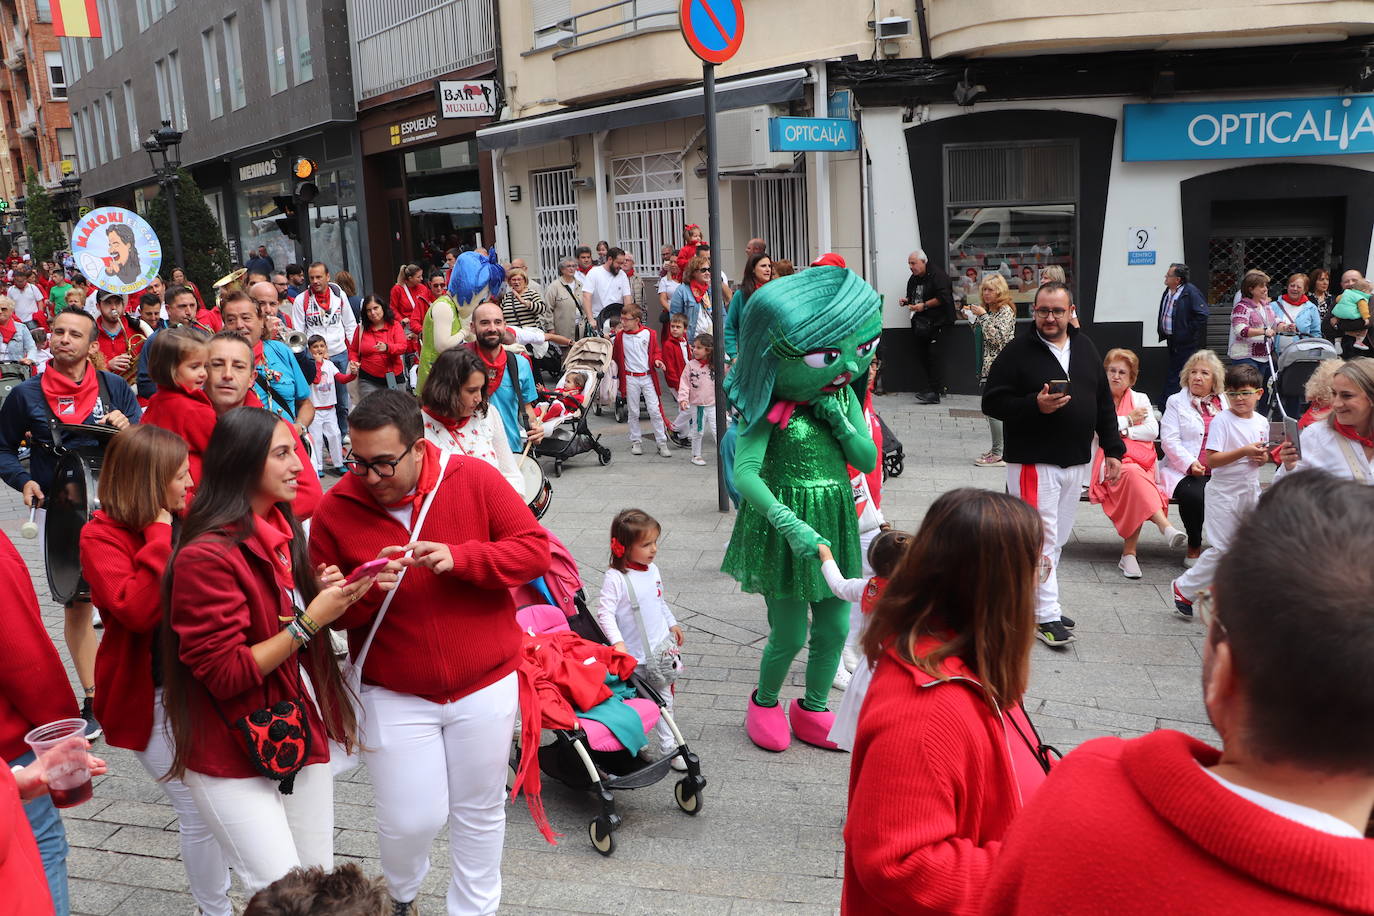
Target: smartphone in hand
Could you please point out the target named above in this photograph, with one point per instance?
(1059, 386)
(370, 568)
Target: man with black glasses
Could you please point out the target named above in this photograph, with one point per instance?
(1049, 389)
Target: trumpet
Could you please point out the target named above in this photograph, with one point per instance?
(132, 345)
(293, 338)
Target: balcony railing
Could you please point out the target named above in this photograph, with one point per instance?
(618, 19)
(402, 42)
(28, 121)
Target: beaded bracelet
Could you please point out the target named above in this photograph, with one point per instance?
(298, 632)
(307, 623)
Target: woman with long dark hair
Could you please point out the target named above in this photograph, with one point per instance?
(757, 271)
(945, 755)
(124, 552)
(458, 418)
(251, 735)
(378, 347)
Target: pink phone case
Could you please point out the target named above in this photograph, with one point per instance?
(370, 568)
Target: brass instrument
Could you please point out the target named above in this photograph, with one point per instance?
(231, 280)
(293, 338)
(132, 345)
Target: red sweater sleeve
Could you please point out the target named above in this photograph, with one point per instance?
(655, 351)
(129, 588)
(209, 612)
(517, 549)
(309, 492)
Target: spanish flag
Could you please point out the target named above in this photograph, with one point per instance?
(75, 19)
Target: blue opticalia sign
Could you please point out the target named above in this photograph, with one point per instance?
(811, 135)
(1245, 129)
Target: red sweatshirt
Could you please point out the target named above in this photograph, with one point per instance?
(124, 568)
(934, 781)
(33, 685)
(675, 356)
(225, 599)
(618, 356)
(363, 349)
(1147, 830)
(444, 636)
(188, 414)
(21, 869)
(401, 300)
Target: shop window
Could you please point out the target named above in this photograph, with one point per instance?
(1010, 208)
(298, 28)
(131, 117)
(57, 79)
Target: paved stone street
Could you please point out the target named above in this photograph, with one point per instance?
(769, 837)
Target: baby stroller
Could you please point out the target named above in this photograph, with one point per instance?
(568, 435)
(588, 756)
(894, 456)
(1293, 367)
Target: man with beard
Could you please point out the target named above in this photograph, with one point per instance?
(280, 384)
(605, 285)
(510, 377)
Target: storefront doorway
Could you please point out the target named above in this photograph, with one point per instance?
(444, 189)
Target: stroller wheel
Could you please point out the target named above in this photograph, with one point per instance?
(558, 469)
(603, 840)
(687, 796)
(604, 456)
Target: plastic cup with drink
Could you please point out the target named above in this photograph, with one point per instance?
(60, 749)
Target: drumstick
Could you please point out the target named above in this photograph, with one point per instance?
(29, 529)
(526, 453)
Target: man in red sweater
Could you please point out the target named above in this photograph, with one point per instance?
(1274, 822)
(438, 683)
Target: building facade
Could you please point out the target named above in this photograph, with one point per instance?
(253, 87)
(424, 81)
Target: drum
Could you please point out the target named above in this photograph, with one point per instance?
(12, 375)
(70, 503)
(538, 493)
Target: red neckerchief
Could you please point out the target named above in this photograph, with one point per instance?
(273, 535)
(71, 402)
(1297, 304)
(1348, 431)
(699, 289)
(641, 567)
(447, 423)
(322, 299)
(258, 357)
(8, 330)
(495, 371)
(429, 479)
(319, 372)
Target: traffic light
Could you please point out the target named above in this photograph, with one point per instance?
(4, 205)
(287, 223)
(304, 172)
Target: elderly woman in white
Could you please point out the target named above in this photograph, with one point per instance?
(1343, 443)
(1188, 416)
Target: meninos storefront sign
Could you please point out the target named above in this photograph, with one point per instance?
(1249, 129)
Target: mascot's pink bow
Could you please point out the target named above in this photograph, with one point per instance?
(781, 414)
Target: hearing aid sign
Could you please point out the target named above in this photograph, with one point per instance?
(116, 250)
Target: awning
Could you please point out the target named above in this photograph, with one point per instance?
(743, 92)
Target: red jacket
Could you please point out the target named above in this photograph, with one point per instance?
(21, 869)
(1149, 831)
(444, 636)
(190, 415)
(618, 357)
(211, 319)
(110, 347)
(402, 308)
(675, 356)
(124, 568)
(363, 349)
(33, 685)
(225, 599)
(934, 781)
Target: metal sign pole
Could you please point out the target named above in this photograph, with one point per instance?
(708, 80)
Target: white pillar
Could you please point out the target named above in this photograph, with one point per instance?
(501, 241)
(603, 219)
(821, 108)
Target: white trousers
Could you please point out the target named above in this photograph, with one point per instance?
(1224, 512)
(433, 764)
(1053, 492)
(324, 430)
(263, 833)
(666, 742)
(702, 419)
(637, 386)
(206, 869)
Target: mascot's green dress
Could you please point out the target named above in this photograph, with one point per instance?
(803, 341)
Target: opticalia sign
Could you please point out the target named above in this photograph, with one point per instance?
(1258, 129)
(811, 135)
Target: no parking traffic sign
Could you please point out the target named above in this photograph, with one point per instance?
(713, 29)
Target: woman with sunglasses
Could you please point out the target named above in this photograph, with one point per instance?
(693, 297)
(945, 755)
(243, 608)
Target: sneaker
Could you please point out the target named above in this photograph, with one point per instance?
(1175, 537)
(1360, 346)
(93, 729)
(698, 460)
(1068, 622)
(679, 439)
(1190, 562)
(1129, 566)
(849, 659)
(1054, 633)
(989, 460)
(1182, 606)
(677, 763)
(636, 448)
(842, 678)
(663, 450)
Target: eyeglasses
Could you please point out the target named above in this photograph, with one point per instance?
(1044, 569)
(382, 469)
(1051, 313)
(1245, 393)
(1203, 604)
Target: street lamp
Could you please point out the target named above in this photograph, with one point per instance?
(71, 195)
(163, 144)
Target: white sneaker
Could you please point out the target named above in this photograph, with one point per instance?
(677, 763)
(1190, 562)
(698, 460)
(663, 450)
(1175, 537)
(636, 448)
(1128, 566)
(849, 659)
(842, 678)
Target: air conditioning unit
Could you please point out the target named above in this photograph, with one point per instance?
(742, 140)
(892, 27)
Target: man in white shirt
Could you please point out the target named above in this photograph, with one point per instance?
(28, 298)
(606, 284)
(322, 309)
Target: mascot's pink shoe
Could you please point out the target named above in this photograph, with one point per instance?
(812, 727)
(767, 726)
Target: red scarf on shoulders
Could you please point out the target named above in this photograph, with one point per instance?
(429, 479)
(1348, 431)
(71, 402)
(8, 330)
(273, 535)
(495, 371)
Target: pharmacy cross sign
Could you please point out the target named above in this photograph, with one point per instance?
(713, 29)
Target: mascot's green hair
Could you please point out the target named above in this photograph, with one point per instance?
(789, 317)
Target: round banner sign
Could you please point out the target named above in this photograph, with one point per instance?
(116, 250)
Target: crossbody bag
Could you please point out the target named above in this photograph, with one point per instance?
(662, 663)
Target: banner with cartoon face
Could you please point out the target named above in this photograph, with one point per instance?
(116, 250)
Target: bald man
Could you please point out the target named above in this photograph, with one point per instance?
(1350, 278)
(755, 248)
(264, 296)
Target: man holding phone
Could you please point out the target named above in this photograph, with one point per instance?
(1049, 389)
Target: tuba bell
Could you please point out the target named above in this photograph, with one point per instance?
(293, 338)
(231, 280)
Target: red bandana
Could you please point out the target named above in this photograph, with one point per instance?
(273, 535)
(1348, 431)
(700, 290)
(495, 371)
(71, 402)
(447, 423)
(429, 478)
(322, 299)
(639, 566)
(8, 330)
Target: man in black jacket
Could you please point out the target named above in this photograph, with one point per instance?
(1049, 389)
(1182, 322)
(930, 298)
